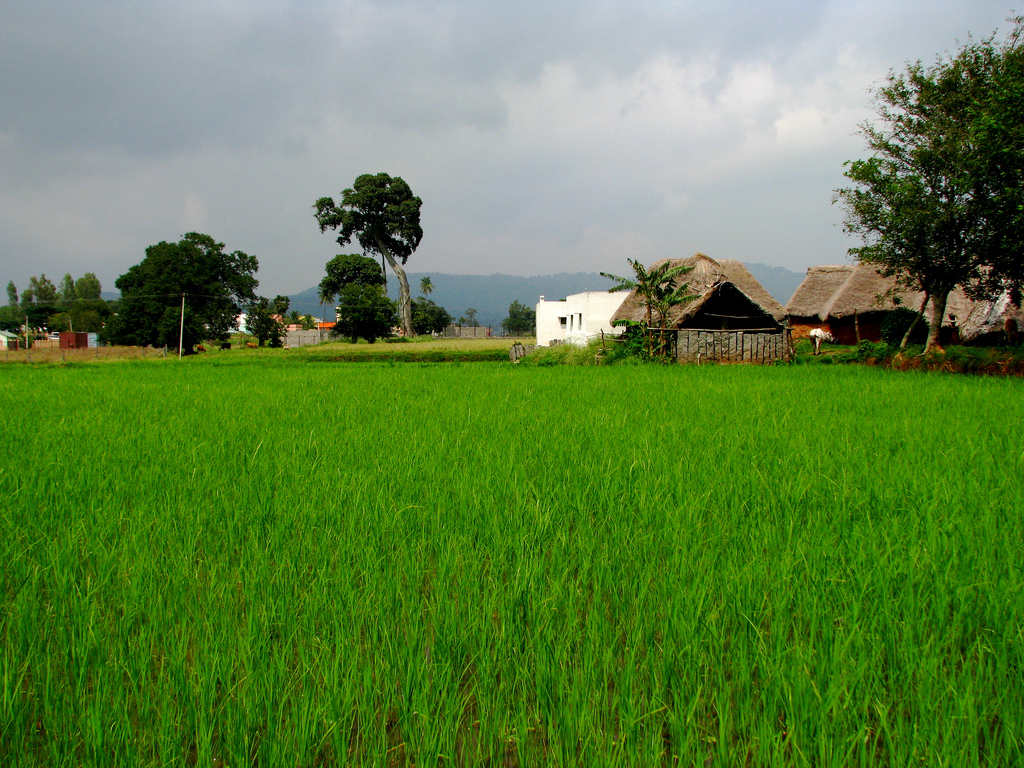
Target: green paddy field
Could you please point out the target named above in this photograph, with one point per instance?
(259, 561)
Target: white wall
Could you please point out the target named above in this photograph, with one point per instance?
(577, 318)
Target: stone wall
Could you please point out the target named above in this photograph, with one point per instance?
(304, 338)
(694, 346)
(467, 332)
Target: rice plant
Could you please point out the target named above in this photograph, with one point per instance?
(328, 564)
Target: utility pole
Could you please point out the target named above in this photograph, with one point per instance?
(181, 327)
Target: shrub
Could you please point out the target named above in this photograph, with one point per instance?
(868, 350)
(896, 323)
(564, 354)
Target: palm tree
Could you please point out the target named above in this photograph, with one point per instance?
(655, 287)
(671, 297)
(326, 293)
(426, 287)
(666, 298)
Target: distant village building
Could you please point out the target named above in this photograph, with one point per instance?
(8, 340)
(578, 318)
(77, 340)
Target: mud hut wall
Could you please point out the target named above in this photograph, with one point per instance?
(843, 329)
(802, 326)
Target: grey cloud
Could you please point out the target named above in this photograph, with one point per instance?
(150, 81)
(135, 119)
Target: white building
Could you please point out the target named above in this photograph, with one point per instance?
(578, 318)
(8, 340)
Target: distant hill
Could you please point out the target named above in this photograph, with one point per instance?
(780, 282)
(490, 295)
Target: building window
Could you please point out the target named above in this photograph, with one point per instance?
(561, 323)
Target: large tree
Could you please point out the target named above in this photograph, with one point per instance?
(88, 286)
(998, 135)
(350, 268)
(521, 320)
(43, 289)
(12, 294)
(261, 322)
(384, 215)
(939, 203)
(215, 286)
(428, 317)
(280, 304)
(67, 289)
(364, 311)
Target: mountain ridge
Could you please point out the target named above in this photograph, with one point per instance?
(491, 294)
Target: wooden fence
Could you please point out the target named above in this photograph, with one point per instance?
(695, 345)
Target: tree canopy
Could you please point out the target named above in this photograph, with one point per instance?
(521, 320)
(348, 268)
(280, 304)
(428, 317)
(364, 311)
(215, 285)
(88, 286)
(261, 323)
(43, 290)
(67, 289)
(939, 203)
(384, 216)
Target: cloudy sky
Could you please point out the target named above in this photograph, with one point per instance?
(555, 136)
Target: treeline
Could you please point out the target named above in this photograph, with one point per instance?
(363, 309)
(74, 305)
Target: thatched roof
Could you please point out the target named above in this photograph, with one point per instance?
(833, 292)
(813, 296)
(982, 317)
(707, 277)
(845, 290)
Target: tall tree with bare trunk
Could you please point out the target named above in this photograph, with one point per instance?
(382, 213)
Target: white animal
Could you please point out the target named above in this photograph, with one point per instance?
(819, 335)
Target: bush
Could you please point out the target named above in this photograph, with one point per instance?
(869, 350)
(563, 354)
(896, 323)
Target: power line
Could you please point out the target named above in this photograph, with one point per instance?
(176, 295)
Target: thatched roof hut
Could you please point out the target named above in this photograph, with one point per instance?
(983, 320)
(850, 300)
(726, 297)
